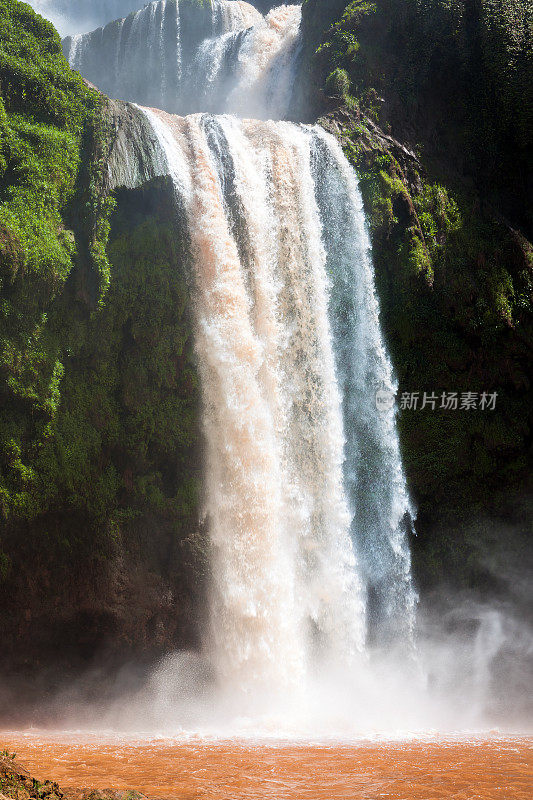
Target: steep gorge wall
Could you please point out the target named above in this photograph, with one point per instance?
(114, 564)
(100, 544)
(433, 104)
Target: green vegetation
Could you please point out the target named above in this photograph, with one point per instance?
(437, 120)
(16, 783)
(453, 75)
(338, 83)
(98, 391)
(48, 121)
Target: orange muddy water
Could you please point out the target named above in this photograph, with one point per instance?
(497, 768)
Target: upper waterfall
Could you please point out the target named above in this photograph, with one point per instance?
(185, 57)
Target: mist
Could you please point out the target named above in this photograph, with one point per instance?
(470, 671)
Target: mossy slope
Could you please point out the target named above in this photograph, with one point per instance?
(48, 120)
(433, 103)
(98, 388)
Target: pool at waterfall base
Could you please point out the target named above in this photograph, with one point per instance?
(477, 767)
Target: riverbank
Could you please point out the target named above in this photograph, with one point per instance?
(16, 783)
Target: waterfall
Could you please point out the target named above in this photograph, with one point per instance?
(304, 490)
(186, 57)
(305, 496)
(235, 16)
(283, 563)
(374, 478)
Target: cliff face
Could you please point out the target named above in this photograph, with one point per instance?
(454, 78)
(433, 104)
(114, 560)
(100, 547)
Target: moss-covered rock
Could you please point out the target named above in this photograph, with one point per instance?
(452, 76)
(99, 533)
(434, 124)
(338, 83)
(50, 140)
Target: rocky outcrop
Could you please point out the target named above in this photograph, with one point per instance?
(16, 782)
(135, 156)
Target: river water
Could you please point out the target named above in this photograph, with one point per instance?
(491, 767)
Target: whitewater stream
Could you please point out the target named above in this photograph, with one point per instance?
(290, 563)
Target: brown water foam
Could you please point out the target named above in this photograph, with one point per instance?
(498, 768)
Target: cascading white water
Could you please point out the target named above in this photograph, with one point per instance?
(374, 478)
(305, 496)
(282, 556)
(251, 73)
(290, 563)
(269, 61)
(234, 16)
(186, 57)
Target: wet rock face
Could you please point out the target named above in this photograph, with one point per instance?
(135, 157)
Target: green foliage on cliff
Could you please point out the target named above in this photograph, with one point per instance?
(47, 117)
(456, 75)
(338, 83)
(123, 442)
(98, 392)
(438, 122)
